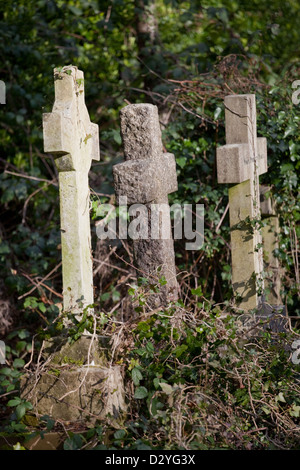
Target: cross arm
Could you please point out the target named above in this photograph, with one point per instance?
(68, 132)
(243, 151)
(144, 181)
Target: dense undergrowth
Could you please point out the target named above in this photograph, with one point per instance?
(196, 377)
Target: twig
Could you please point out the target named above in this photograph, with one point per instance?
(41, 283)
(103, 262)
(27, 201)
(34, 178)
(31, 355)
(109, 265)
(222, 218)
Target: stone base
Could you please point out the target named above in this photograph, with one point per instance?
(72, 388)
(80, 394)
(267, 318)
(274, 317)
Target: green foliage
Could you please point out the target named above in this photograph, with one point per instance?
(80, 324)
(21, 406)
(18, 345)
(197, 382)
(200, 371)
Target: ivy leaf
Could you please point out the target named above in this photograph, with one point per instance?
(18, 446)
(140, 393)
(181, 161)
(162, 281)
(280, 397)
(180, 350)
(76, 11)
(166, 388)
(117, 137)
(136, 376)
(149, 347)
(20, 411)
(197, 291)
(290, 130)
(120, 434)
(295, 411)
(74, 442)
(266, 410)
(14, 402)
(217, 112)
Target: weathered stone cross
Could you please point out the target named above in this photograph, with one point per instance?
(74, 141)
(241, 161)
(147, 177)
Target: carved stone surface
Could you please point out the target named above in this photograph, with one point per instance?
(147, 177)
(74, 142)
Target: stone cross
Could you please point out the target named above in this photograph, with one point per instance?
(147, 177)
(240, 162)
(270, 231)
(74, 141)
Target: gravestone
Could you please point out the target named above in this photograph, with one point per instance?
(146, 178)
(270, 231)
(73, 140)
(76, 381)
(240, 162)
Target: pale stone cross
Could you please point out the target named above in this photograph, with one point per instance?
(241, 161)
(74, 141)
(147, 177)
